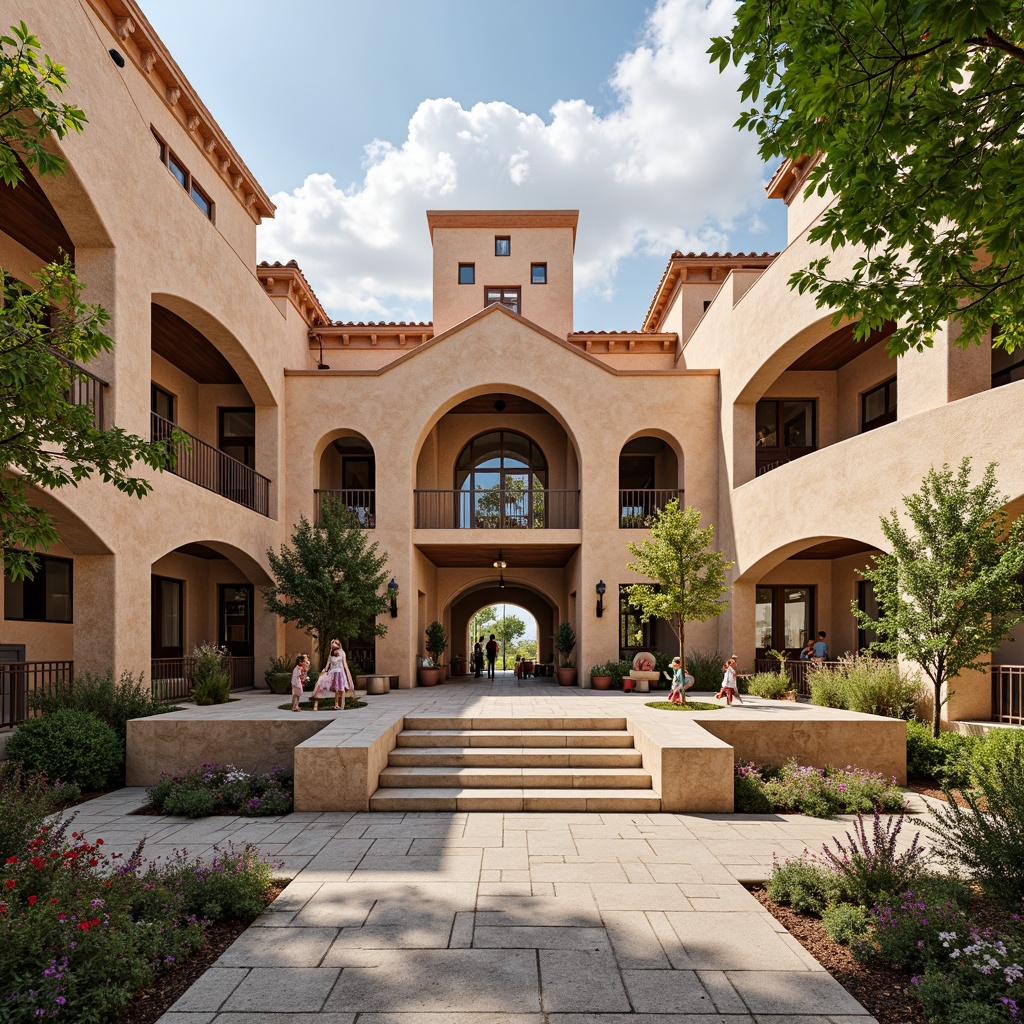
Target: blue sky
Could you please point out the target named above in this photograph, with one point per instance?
(358, 117)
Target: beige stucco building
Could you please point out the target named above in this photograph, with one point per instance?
(495, 429)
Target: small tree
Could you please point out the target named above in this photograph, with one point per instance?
(508, 630)
(950, 592)
(437, 642)
(329, 580)
(565, 642)
(689, 575)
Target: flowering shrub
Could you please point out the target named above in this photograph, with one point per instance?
(25, 799)
(872, 868)
(210, 681)
(803, 883)
(908, 929)
(81, 930)
(821, 792)
(213, 789)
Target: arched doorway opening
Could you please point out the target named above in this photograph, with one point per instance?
(501, 480)
(650, 475)
(348, 474)
(514, 629)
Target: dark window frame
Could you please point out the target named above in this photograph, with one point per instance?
(156, 390)
(156, 633)
(769, 456)
(1012, 373)
(538, 266)
(888, 388)
(507, 239)
(237, 440)
(471, 268)
(503, 288)
(39, 581)
(199, 196)
(629, 621)
(778, 603)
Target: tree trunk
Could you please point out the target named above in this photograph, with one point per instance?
(937, 709)
(682, 655)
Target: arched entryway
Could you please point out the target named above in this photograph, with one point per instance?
(650, 475)
(348, 474)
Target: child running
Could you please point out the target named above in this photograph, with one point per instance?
(299, 676)
(681, 682)
(729, 689)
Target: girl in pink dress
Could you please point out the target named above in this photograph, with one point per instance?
(299, 676)
(339, 678)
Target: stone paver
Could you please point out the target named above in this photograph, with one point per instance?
(503, 917)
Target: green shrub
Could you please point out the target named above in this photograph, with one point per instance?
(749, 795)
(997, 746)
(113, 703)
(987, 836)
(845, 923)
(949, 760)
(803, 884)
(211, 789)
(828, 688)
(907, 928)
(25, 800)
(231, 886)
(190, 803)
(770, 685)
(210, 681)
(824, 792)
(282, 663)
(706, 669)
(72, 746)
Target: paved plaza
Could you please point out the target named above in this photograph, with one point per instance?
(489, 918)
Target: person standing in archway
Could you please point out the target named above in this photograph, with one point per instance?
(492, 655)
(478, 658)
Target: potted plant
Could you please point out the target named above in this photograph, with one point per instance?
(279, 676)
(437, 644)
(601, 677)
(565, 644)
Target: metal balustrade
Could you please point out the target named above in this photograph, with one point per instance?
(639, 507)
(85, 388)
(172, 677)
(19, 679)
(213, 469)
(361, 503)
(799, 671)
(1008, 694)
(498, 509)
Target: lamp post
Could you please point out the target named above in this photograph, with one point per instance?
(600, 588)
(393, 597)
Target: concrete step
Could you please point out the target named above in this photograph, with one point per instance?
(453, 799)
(515, 757)
(514, 778)
(514, 738)
(433, 722)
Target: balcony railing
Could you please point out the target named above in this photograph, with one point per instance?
(799, 671)
(172, 677)
(768, 459)
(85, 389)
(211, 468)
(498, 509)
(18, 679)
(638, 508)
(362, 503)
(1008, 694)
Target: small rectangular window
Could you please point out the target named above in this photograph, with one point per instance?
(467, 273)
(502, 245)
(201, 200)
(161, 402)
(878, 406)
(538, 273)
(177, 170)
(510, 297)
(181, 175)
(44, 598)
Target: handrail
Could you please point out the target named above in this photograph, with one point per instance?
(498, 509)
(20, 678)
(85, 388)
(213, 469)
(639, 506)
(362, 503)
(1008, 694)
(798, 670)
(172, 677)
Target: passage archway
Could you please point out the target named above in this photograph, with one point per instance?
(650, 475)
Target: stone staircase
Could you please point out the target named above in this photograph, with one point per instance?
(514, 764)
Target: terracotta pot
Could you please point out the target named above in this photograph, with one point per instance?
(627, 685)
(428, 676)
(566, 676)
(601, 682)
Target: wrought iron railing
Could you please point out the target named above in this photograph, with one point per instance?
(362, 657)
(768, 459)
(213, 469)
(498, 509)
(19, 679)
(172, 677)
(362, 503)
(85, 388)
(798, 671)
(638, 508)
(1008, 694)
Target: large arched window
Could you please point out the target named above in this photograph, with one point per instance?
(501, 477)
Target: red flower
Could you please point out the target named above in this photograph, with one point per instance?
(99, 842)
(93, 862)
(11, 860)
(38, 863)
(54, 900)
(62, 917)
(32, 901)
(11, 883)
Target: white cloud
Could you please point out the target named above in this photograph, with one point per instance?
(663, 170)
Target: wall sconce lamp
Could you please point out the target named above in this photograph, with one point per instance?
(600, 588)
(320, 364)
(393, 596)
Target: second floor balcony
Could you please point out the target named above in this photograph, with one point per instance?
(639, 507)
(361, 502)
(498, 508)
(213, 469)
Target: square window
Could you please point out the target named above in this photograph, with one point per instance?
(467, 273)
(47, 597)
(502, 245)
(538, 273)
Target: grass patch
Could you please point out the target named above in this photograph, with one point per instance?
(690, 705)
(325, 705)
